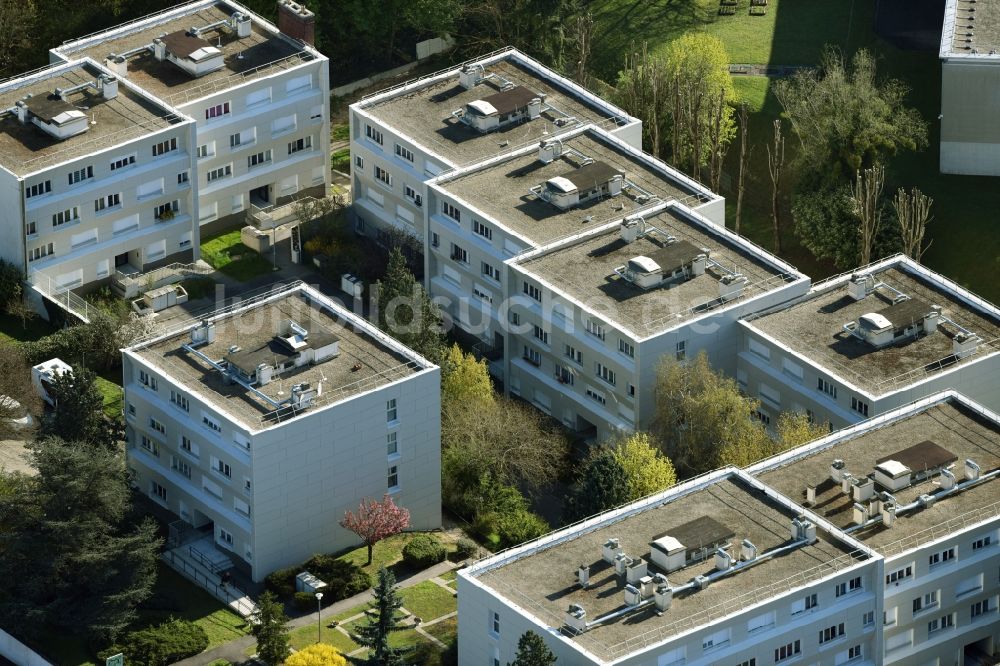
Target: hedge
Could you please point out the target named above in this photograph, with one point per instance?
(343, 579)
(160, 645)
(422, 551)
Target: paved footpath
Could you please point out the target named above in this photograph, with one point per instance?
(235, 651)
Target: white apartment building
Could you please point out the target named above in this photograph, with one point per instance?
(970, 78)
(921, 486)
(259, 96)
(863, 343)
(718, 570)
(262, 424)
(408, 134)
(93, 176)
(591, 318)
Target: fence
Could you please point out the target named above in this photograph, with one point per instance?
(61, 296)
(221, 592)
(132, 284)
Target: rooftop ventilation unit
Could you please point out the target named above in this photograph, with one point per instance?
(576, 618)
(732, 286)
(549, 149)
(593, 180)
(723, 560)
(203, 333)
(636, 570)
(471, 75)
(964, 344)
(904, 320)
(583, 575)
(748, 551)
(610, 550)
(508, 107)
(633, 228)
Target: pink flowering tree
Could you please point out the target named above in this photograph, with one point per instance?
(376, 520)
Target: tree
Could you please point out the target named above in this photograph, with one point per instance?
(11, 276)
(17, 395)
(583, 39)
(913, 214)
(846, 118)
(513, 441)
(743, 118)
(465, 382)
(318, 654)
(537, 27)
(643, 90)
(271, 630)
(376, 520)
(793, 429)
(16, 21)
(79, 413)
(603, 485)
(775, 164)
(698, 413)
(532, 651)
(648, 471)
(374, 634)
(826, 225)
(98, 564)
(405, 311)
(868, 208)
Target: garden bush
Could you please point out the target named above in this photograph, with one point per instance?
(423, 550)
(305, 601)
(343, 579)
(161, 644)
(465, 548)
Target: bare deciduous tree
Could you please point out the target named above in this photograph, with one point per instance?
(775, 165)
(584, 37)
(718, 145)
(743, 118)
(868, 208)
(643, 87)
(913, 213)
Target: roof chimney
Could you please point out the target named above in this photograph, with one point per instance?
(296, 21)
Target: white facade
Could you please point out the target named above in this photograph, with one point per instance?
(941, 584)
(274, 492)
(788, 374)
(80, 209)
(263, 127)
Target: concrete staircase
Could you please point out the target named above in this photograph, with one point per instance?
(204, 564)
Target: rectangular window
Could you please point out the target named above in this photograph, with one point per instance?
(826, 387)
(980, 608)
(982, 542)
(573, 353)
(482, 230)
(297, 146)
(180, 466)
(793, 370)
(803, 604)
(927, 601)
(157, 426)
(532, 356)
(899, 574)
(626, 348)
(846, 587)
(491, 271)
(595, 329)
(40, 252)
(31, 228)
(404, 153)
(947, 621)
(147, 380)
(459, 254)
(752, 661)
(532, 291)
(859, 406)
(122, 162)
(188, 446)
(565, 375)
(257, 159)
(830, 633)
(715, 640)
(225, 537)
(166, 211)
(605, 373)
(109, 201)
(769, 395)
(392, 478)
(149, 445)
(222, 467)
(66, 216)
(680, 350)
(868, 618)
(217, 111)
(164, 147)
(183, 177)
(373, 134)
(540, 334)
(391, 413)
(81, 175)
(37, 189)
(788, 651)
(359, 162)
(221, 172)
(203, 151)
(392, 445)
(596, 396)
(210, 423)
(854, 653)
(179, 399)
(758, 349)
(383, 175)
(940, 558)
(158, 491)
(495, 623)
(451, 211)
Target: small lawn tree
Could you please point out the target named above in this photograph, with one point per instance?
(319, 654)
(79, 416)
(603, 485)
(646, 468)
(384, 620)
(376, 520)
(271, 631)
(532, 651)
(465, 382)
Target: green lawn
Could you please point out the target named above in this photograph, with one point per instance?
(445, 631)
(199, 287)
(387, 553)
(305, 636)
(112, 394)
(228, 254)
(340, 160)
(340, 132)
(428, 600)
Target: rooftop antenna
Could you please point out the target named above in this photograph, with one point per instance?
(239, 56)
(93, 118)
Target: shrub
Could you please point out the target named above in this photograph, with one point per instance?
(465, 548)
(282, 581)
(343, 579)
(305, 601)
(422, 551)
(11, 280)
(161, 644)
